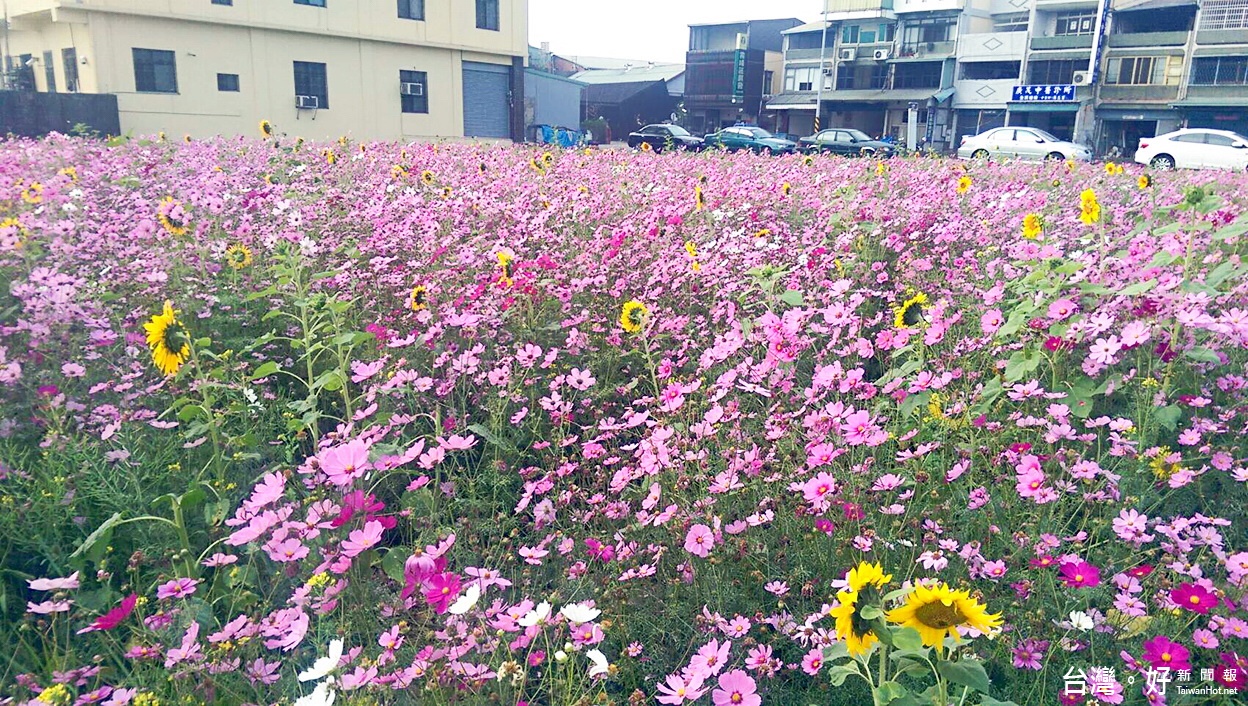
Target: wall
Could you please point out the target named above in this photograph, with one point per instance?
(36, 114)
(551, 101)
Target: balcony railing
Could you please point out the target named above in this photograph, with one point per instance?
(1148, 39)
(832, 6)
(1069, 41)
(1135, 94)
(921, 49)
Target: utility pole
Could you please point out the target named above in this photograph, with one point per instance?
(823, 50)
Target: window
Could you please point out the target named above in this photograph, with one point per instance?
(312, 3)
(310, 80)
(69, 57)
(227, 82)
(768, 78)
(487, 14)
(918, 75)
(810, 40)
(1218, 140)
(1192, 137)
(1015, 22)
(800, 79)
(845, 79)
(1220, 71)
(155, 71)
(919, 33)
(1057, 71)
(222, 2)
(1224, 14)
(411, 9)
(879, 76)
(414, 91)
(988, 70)
(49, 71)
(1144, 70)
(867, 34)
(1072, 23)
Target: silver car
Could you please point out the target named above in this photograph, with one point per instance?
(1021, 143)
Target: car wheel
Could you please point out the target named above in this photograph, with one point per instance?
(768, 151)
(866, 151)
(979, 154)
(1163, 162)
(1054, 157)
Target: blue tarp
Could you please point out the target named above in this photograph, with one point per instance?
(561, 136)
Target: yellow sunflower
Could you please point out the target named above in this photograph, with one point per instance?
(266, 128)
(398, 171)
(238, 256)
(298, 142)
(537, 166)
(481, 168)
(633, 316)
(699, 201)
(160, 136)
(548, 158)
(17, 230)
(504, 265)
(1089, 207)
(1162, 467)
(937, 613)
(864, 581)
(168, 339)
(419, 298)
(1033, 226)
(426, 177)
(187, 138)
(880, 168)
(910, 313)
(785, 189)
(645, 147)
(33, 193)
(808, 160)
(1144, 181)
(71, 172)
(964, 184)
(330, 157)
(446, 192)
(866, 574)
(173, 224)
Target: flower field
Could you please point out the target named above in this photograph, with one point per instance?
(461, 424)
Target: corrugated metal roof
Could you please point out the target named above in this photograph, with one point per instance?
(635, 74)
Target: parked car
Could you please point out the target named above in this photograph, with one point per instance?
(846, 141)
(743, 137)
(1194, 148)
(1022, 143)
(662, 136)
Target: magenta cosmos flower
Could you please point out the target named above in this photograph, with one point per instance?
(736, 688)
(1161, 651)
(442, 589)
(114, 617)
(700, 540)
(1079, 574)
(1194, 597)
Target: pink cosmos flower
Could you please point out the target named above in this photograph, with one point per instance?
(361, 540)
(343, 464)
(1162, 652)
(700, 540)
(48, 607)
(68, 583)
(114, 617)
(678, 689)
(709, 660)
(818, 489)
(736, 688)
(813, 661)
(1062, 308)
(441, 590)
(177, 588)
(1079, 574)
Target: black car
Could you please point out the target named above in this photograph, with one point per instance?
(661, 137)
(846, 141)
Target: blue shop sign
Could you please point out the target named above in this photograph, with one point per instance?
(1044, 94)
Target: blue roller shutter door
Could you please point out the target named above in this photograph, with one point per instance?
(485, 100)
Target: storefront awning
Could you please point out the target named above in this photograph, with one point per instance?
(792, 101)
(902, 95)
(943, 95)
(1241, 103)
(1041, 107)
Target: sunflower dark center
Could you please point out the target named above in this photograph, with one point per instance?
(940, 616)
(912, 314)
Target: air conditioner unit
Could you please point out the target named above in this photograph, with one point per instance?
(829, 71)
(307, 102)
(879, 54)
(847, 54)
(1081, 78)
(412, 89)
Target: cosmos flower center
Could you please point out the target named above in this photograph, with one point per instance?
(1195, 600)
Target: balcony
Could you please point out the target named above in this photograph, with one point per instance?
(1137, 94)
(927, 50)
(994, 93)
(1068, 41)
(992, 46)
(811, 54)
(902, 6)
(1147, 39)
(1220, 36)
(858, 9)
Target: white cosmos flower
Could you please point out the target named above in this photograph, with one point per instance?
(322, 695)
(599, 661)
(535, 616)
(324, 665)
(1081, 620)
(464, 603)
(578, 613)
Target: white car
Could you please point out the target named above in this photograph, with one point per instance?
(1194, 148)
(1021, 143)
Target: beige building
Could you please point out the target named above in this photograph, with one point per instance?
(371, 69)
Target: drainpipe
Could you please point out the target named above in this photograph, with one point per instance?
(1094, 62)
(823, 50)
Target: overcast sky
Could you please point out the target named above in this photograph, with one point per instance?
(652, 30)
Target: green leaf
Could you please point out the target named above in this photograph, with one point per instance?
(490, 438)
(889, 692)
(1202, 355)
(839, 673)
(1018, 318)
(1020, 365)
(1168, 416)
(100, 536)
(1138, 288)
(392, 563)
(912, 403)
(1221, 272)
(968, 672)
(265, 370)
(987, 700)
(330, 381)
(792, 297)
(835, 651)
(870, 612)
(907, 639)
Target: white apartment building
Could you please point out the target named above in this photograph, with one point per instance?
(370, 69)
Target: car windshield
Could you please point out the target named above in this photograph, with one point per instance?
(758, 133)
(677, 130)
(1048, 136)
(859, 135)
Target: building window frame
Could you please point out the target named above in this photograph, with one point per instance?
(412, 10)
(49, 71)
(1075, 24)
(1054, 71)
(418, 104)
(227, 3)
(69, 60)
(1219, 71)
(489, 15)
(228, 83)
(1144, 70)
(311, 3)
(312, 79)
(800, 78)
(148, 77)
(1224, 14)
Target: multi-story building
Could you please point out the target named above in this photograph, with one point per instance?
(731, 72)
(315, 68)
(1215, 92)
(989, 63)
